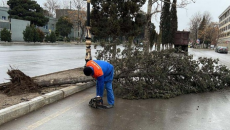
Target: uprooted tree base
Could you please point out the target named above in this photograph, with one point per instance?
(19, 83)
(163, 74)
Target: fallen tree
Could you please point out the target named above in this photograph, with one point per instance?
(163, 74)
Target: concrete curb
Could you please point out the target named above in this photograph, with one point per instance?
(15, 111)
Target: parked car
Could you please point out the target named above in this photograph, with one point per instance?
(221, 49)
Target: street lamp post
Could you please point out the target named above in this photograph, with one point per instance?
(88, 34)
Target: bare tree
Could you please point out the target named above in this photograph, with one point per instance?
(66, 4)
(78, 15)
(194, 25)
(212, 33)
(207, 17)
(51, 6)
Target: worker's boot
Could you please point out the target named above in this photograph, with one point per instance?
(99, 101)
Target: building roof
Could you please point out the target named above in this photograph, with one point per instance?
(4, 21)
(228, 8)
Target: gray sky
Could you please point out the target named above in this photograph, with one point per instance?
(214, 7)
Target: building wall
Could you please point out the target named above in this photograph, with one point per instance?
(224, 28)
(3, 13)
(75, 32)
(62, 12)
(50, 26)
(17, 28)
(4, 21)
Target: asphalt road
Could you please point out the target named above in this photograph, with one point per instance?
(224, 59)
(35, 60)
(204, 111)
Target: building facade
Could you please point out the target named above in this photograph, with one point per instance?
(17, 26)
(4, 21)
(50, 26)
(224, 28)
(76, 30)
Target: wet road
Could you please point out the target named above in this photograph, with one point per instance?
(224, 59)
(35, 60)
(205, 111)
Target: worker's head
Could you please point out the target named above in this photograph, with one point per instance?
(88, 71)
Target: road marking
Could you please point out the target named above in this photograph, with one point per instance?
(50, 117)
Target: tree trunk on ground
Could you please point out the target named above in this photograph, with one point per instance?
(45, 83)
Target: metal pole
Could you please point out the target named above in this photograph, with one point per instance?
(88, 35)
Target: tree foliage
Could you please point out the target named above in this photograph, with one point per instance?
(28, 34)
(33, 34)
(153, 35)
(41, 35)
(165, 22)
(27, 10)
(52, 37)
(47, 38)
(114, 18)
(64, 26)
(5, 35)
(163, 74)
(173, 21)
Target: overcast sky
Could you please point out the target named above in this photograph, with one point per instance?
(214, 7)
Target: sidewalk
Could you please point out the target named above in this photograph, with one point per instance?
(20, 109)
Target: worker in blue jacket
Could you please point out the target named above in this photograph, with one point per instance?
(102, 71)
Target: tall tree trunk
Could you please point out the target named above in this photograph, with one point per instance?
(146, 34)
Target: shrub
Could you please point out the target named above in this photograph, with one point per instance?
(41, 35)
(52, 37)
(34, 34)
(5, 35)
(47, 38)
(28, 34)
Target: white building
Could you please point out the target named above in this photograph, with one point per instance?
(224, 28)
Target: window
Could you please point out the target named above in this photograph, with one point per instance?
(52, 26)
(46, 26)
(3, 17)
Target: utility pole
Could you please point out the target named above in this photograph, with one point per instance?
(88, 34)
(70, 5)
(78, 7)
